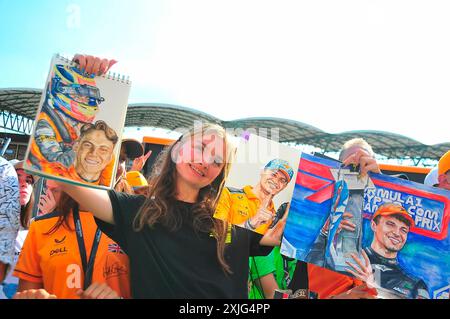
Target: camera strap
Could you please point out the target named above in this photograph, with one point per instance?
(88, 266)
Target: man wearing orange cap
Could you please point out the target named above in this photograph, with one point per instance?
(390, 224)
(444, 171)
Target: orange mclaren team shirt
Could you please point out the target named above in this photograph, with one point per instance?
(237, 205)
(54, 259)
(327, 283)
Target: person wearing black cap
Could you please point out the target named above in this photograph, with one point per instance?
(130, 149)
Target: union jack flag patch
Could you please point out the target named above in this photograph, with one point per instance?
(115, 248)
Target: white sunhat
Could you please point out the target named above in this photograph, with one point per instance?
(432, 177)
(14, 162)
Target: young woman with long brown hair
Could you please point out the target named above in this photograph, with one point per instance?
(176, 248)
(26, 183)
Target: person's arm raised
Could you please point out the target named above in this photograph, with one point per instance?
(95, 201)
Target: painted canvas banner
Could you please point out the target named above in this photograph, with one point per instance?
(390, 232)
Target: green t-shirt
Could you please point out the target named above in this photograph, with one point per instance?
(264, 265)
(259, 266)
(279, 268)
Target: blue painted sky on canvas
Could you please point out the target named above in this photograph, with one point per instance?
(325, 63)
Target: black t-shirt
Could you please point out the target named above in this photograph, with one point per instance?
(183, 263)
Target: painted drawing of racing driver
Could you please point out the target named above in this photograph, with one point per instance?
(252, 207)
(380, 268)
(72, 99)
(94, 150)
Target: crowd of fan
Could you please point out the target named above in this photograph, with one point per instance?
(152, 238)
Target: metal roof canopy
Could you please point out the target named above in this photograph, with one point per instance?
(24, 102)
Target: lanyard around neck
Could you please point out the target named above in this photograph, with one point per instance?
(88, 266)
(286, 274)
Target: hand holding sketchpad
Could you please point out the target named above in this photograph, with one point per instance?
(78, 126)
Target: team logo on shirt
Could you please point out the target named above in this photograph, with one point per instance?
(115, 248)
(382, 267)
(243, 212)
(58, 251)
(60, 241)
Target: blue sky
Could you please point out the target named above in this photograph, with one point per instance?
(337, 65)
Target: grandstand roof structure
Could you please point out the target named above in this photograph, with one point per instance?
(18, 108)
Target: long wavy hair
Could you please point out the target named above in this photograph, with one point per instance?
(26, 212)
(65, 206)
(159, 205)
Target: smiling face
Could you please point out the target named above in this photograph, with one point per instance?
(199, 159)
(444, 181)
(93, 152)
(390, 234)
(25, 186)
(273, 181)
